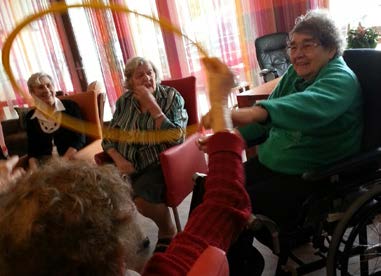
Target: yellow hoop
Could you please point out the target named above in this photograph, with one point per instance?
(76, 124)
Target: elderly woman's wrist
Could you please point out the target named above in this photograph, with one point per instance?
(221, 118)
(158, 116)
(154, 110)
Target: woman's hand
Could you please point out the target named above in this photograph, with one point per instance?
(33, 163)
(205, 122)
(220, 81)
(202, 142)
(144, 95)
(125, 167)
(8, 175)
(69, 154)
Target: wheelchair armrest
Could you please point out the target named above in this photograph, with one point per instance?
(266, 71)
(344, 166)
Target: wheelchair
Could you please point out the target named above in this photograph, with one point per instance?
(343, 224)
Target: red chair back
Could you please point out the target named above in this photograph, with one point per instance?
(187, 88)
(179, 163)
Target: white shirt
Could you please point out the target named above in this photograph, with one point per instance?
(48, 125)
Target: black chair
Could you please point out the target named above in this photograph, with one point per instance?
(356, 238)
(342, 220)
(272, 55)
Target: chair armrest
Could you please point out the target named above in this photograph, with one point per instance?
(269, 74)
(347, 165)
(87, 153)
(266, 71)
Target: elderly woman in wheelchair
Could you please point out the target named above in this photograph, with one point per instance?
(313, 119)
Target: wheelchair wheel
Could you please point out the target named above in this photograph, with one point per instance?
(355, 248)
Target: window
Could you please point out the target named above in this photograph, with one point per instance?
(221, 39)
(348, 14)
(36, 48)
(147, 36)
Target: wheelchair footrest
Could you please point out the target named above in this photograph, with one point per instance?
(259, 221)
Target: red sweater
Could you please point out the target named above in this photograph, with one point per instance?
(221, 216)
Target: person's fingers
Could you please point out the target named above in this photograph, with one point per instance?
(202, 142)
(205, 121)
(17, 173)
(202, 148)
(11, 162)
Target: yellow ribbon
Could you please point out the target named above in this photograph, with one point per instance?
(76, 124)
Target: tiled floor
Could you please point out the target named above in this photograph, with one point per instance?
(306, 253)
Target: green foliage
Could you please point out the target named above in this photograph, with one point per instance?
(362, 37)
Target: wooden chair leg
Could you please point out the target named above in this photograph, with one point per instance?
(177, 219)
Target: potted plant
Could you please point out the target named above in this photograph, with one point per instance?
(362, 37)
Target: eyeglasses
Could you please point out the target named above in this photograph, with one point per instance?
(305, 47)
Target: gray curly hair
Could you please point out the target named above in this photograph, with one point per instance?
(131, 66)
(321, 27)
(70, 218)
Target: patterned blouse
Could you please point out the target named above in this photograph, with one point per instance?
(128, 117)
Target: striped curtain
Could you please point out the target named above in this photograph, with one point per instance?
(116, 37)
(108, 52)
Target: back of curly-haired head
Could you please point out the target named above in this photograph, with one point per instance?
(321, 26)
(68, 218)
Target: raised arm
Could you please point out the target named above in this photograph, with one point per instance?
(226, 206)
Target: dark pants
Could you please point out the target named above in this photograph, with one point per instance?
(277, 196)
(149, 184)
